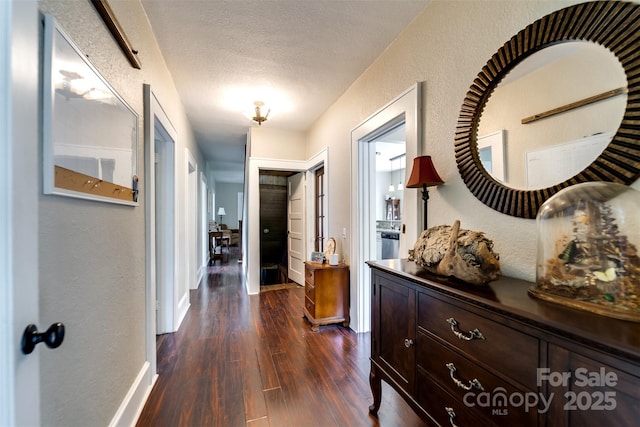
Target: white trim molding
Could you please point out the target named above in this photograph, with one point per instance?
(252, 227)
(133, 403)
(407, 108)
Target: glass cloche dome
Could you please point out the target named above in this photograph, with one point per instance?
(587, 249)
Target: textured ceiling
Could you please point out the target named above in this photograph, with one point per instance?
(298, 56)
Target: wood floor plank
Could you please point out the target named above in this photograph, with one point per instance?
(254, 403)
(268, 374)
(277, 408)
(302, 395)
(260, 422)
(253, 361)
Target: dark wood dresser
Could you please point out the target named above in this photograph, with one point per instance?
(326, 294)
(463, 355)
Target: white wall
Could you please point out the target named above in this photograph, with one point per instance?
(268, 148)
(92, 254)
(445, 47)
(272, 143)
(227, 197)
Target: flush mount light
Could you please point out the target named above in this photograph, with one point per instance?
(257, 115)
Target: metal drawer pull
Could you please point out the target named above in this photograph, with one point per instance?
(408, 342)
(452, 415)
(473, 335)
(474, 383)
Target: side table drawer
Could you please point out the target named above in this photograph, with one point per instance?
(309, 275)
(480, 338)
(310, 291)
(310, 306)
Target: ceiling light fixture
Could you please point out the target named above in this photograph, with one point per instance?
(258, 117)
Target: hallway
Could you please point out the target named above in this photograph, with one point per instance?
(241, 360)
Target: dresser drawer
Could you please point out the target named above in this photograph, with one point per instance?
(310, 306)
(512, 352)
(473, 386)
(310, 291)
(444, 408)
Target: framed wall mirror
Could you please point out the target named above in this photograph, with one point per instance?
(596, 112)
(90, 134)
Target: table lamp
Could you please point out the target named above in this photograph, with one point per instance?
(424, 175)
(221, 213)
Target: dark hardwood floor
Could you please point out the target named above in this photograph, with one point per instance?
(252, 360)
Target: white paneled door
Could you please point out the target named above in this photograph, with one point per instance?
(296, 227)
(19, 143)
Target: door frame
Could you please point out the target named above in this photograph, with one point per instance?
(153, 111)
(150, 229)
(408, 107)
(203, 230)
(166, 223)
(252, 230)
(191, 220)
(252, 254)
(20, 191)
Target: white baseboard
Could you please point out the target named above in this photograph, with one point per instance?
(133, 403)
(202, 272)
(183, 307)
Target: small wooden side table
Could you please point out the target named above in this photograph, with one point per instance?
(216, 238)
(326, 294)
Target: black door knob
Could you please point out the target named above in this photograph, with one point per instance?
(52, 337)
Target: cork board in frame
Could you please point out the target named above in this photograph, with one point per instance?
(90, 134)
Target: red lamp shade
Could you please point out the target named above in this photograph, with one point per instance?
(423, 173)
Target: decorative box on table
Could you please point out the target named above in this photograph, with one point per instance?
(587, 249)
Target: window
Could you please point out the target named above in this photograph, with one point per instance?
(320, 210)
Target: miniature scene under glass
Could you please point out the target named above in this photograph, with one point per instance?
(587, 249)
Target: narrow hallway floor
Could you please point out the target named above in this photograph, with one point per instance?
(252, 360)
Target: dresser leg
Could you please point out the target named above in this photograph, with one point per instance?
(376, 389)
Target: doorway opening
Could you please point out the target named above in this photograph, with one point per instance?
(167, 293)
(191, 220)
(405, 109)
(164, 150)
(274, 246)
(302, 245)
(390, 172)
(282, 226)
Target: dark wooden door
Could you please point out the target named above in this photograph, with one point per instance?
(273, 229)
(394, 330)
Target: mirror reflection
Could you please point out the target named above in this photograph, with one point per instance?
(525, 151)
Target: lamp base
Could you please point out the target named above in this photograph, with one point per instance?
(425, 198)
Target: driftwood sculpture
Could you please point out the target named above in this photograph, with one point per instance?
(449, 251)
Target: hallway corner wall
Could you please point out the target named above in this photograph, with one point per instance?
(92, 254)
